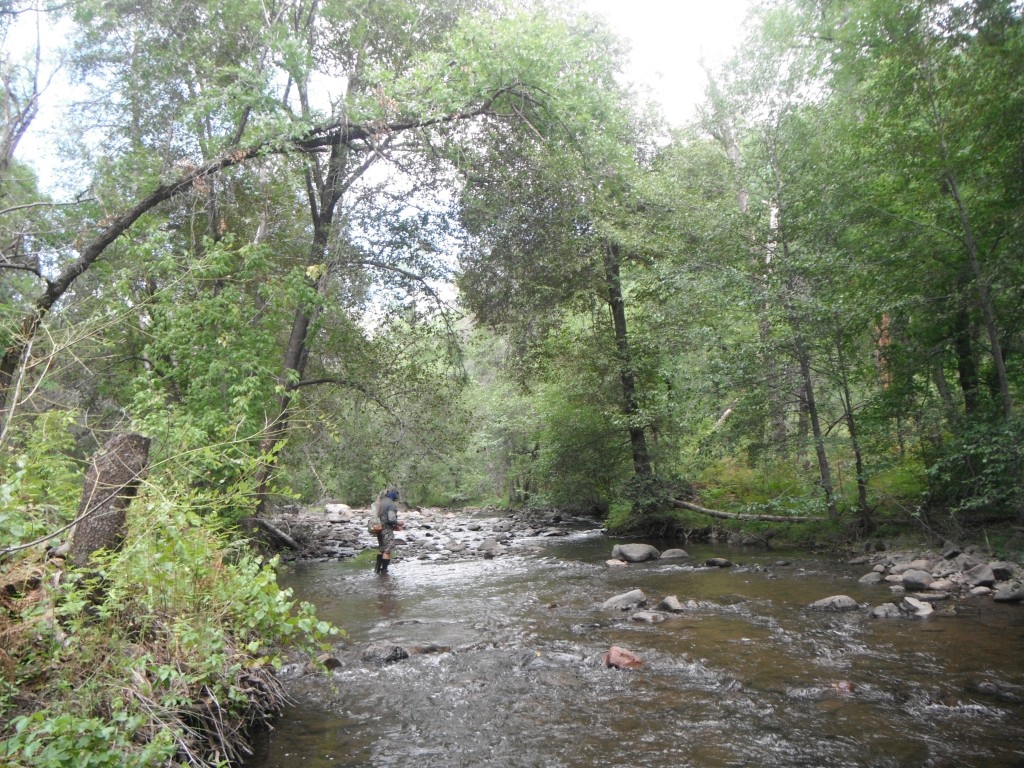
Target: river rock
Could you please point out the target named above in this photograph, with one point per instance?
(886, 611)
(1009, 592)
(917, 580)
(999, 689)
(627, 601)
(872, 578)
(718, 562)
(671, 604)
(943, 585)
(1003, 571)
(836, 603)
(915, 607)
(616, 563)
(674, 554)
(648, 617)
(932, 596)
(329, 662)
(965, 561)
(455, 546)
(620, 658)
(383, 653)
(635, 553)
(912, 565)
(980, 575)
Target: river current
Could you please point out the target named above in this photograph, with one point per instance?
(746, 676)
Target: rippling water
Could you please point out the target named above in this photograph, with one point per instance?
(746, 677)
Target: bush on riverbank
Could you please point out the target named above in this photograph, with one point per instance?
(162, 653)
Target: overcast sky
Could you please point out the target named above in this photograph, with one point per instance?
(669, 37)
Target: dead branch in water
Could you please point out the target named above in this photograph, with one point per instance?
(752, 518)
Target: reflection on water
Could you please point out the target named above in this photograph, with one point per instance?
(747, 676)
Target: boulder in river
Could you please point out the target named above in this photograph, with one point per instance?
(671, 604)
(916, 580)
(915, 607)
(627, 601)
(980, 575)
(383, 653)
(635, 553)
(836, 603)
(886, 611)
(648, 617)
(674, 554)
(1009, 592)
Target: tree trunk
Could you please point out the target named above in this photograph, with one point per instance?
(824, 469)
(324, 199)
(866, 524)
(110, 485)
(1005, 399)
(966, 365)
(725, 133)
(973, 257)
(642, 466)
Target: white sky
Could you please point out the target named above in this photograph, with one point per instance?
(669, 38)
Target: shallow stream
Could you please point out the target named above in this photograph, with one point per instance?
(747, 676)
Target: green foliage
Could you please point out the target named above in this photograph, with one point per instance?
(772, 485)
(40, 479)
(182, 615)
(976, 474)
(68, 740)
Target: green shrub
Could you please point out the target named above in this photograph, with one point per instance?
(165, 649)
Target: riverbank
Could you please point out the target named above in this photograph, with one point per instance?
(161, 653)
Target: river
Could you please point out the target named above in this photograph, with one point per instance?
(746, 676)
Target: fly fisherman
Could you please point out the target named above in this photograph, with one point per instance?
(387, 513)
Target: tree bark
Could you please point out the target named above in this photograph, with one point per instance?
(642, 466)
(824, 468)
(110, 485)
(966, 365)
(867, 525)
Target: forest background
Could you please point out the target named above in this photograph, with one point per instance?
(311, 248)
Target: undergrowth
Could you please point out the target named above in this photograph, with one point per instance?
(163, 653)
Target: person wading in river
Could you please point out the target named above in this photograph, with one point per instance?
(387, 514)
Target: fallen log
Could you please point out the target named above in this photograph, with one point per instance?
(275, 533)
(752, 518)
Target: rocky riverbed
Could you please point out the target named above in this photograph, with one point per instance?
(915, 581)
(332, 530)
